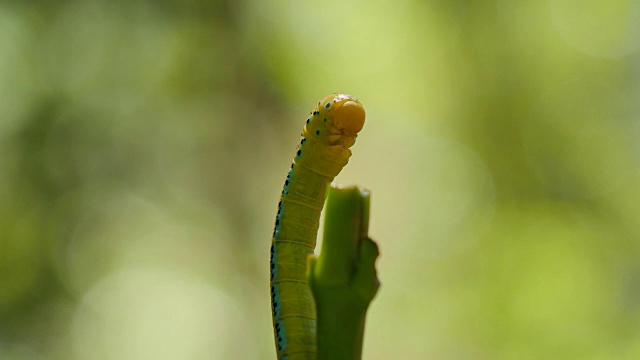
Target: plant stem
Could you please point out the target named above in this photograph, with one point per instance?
(343, 278)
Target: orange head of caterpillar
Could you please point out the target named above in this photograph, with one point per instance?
(348, 114)
(331, 129)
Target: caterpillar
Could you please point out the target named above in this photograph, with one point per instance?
(329, 132)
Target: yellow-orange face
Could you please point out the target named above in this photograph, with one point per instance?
(336, 120)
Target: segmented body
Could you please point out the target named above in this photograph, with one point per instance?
(323, 151)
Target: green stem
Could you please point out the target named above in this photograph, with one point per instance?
(343, 278)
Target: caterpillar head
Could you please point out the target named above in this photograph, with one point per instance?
(348, 114)
(331, 129)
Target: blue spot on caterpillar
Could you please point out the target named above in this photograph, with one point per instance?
(323, 151)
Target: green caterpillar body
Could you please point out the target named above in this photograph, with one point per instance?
(323, 151)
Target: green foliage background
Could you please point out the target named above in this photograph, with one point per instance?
(143, 146)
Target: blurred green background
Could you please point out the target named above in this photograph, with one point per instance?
(144, 145)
